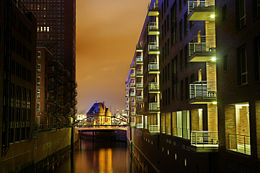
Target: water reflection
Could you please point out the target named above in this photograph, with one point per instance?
(98, 157)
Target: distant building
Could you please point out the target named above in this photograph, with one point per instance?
(17, 75)
(99, 114)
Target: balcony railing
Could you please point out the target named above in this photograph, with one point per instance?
(202, 45)
(133, 113)
(153, 26)
(153, 67)
(154, 106)
(139, 85)
(153, 86)
(203, 90)
(199, 4)
(181, 132)
(132, 94)
(153, 47)
(132, 124)
(139, 125)
(132, 103)
(154, 128)
(132, 84)
(132, 75)
(139, 59)
(204, 138)
(239, 143)
(139, 98)
(139, 72)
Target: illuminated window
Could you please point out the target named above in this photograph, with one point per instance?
(38, 68)
(38, 80)
(38, 93)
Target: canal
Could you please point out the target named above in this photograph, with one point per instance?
(91, 156)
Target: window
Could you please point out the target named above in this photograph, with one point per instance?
(38, 80)
(241, 12)
(38, 93)
(38, 107)
(224, 12)
(242, 66)
(173, 24)
(180, 29)
(257, 8)
(39, 54)
(181, 56)
(225, 63)
(39, 68)
(180, 5)
(257, 59)
(185, 24)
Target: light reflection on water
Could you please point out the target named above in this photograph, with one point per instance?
(98, 157)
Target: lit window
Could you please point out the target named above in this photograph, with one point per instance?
(39, 68)
(38, 93)
(38, 80)
(39, 54)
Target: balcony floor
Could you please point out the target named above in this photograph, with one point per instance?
(202, 14)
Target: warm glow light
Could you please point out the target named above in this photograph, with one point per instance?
(212, 16)
(213, 58)
(214, 103)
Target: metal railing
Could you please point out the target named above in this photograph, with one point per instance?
(132, 103)
(132, 94)
(133, 113)
(199, 4)
(139, 59)
(139, 85)
(154, 106)
(153, 86)
(132, 124)
(139, 125)
(139, 98)
(154, 128)
(203, 44)
(203, 90)
(153, 47)
(139, 72)
(204, 138)
(152, 26)
(132, 84)
(132, 75)
(153, 67)
(239, 143)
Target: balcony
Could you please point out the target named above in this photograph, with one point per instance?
(154, 128)
(132, 113)
(132, 75)
(132, 103)
(139, 60)
(204, 140)
(239, 143)
(132, 85)
(201, 10)
(153, 48)
(139, 73)
(154, 107)
(132, 94)
(139, 86)
(154, 87)
(203, 92)
(153, 67)
(139, 125)
(139, 98)
(203, 50)
(153, 10)
(153, 28)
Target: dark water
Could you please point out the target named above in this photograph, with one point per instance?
(98, 157)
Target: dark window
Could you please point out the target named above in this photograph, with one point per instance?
(224, 12)
(173, 24)
(257, 59)
(258, 8)
(242, 66)
(186, 55)
(241, 13)
(180, 29)
(186, 88)
(225, 63)
(181, 89)
(180, 5)
(181, 56)
(185, 24)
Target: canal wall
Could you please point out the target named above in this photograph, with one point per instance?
(41, 148)
(164, 153)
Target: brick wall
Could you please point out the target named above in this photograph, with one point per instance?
(257, 109)
(230, 126)
(212, 117)
(194, 119)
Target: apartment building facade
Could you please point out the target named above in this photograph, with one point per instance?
(237, 29)
(18, 47)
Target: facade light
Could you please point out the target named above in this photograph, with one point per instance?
(213, 58)
(212, 16)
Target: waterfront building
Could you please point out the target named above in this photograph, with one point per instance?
(99, 114)
(17, 75)
(238, 74)
(56, 27)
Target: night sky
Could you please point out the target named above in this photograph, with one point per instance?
(107, 33)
